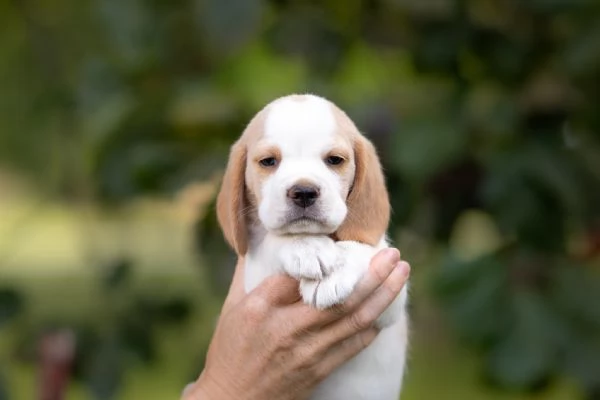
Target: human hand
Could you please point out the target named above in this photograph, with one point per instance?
(270, 345)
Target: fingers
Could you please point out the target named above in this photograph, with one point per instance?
(380, 268)
(367, 313)
(345, 350)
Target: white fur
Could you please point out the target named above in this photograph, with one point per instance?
(304, 132)
(327, 270)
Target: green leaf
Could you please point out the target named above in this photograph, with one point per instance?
(197, 103)
(3, 388)
(582, 359)
(528, 354)
(366, 73)
(174, 311)
(11, 304)
(426, 143)
(257, 76)
(575, 291)
(118, 274)
(580, 55)
(227, 26)
(474, 294)
(104, 369)
(557, 6)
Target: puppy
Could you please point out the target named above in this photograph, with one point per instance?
(304, 194)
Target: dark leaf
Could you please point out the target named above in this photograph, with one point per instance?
(227, 26)
(104, 369)
(474, 294)
(427, 143)
(582, 359)
(11, 303)
(529, 353)
(137, 329)
(575, 291)
(118, 274)
(3, 388)
(174, 311)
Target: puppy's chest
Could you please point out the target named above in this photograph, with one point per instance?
(260, 264)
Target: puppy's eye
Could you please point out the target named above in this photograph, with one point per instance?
(268, 162)
(334, 160)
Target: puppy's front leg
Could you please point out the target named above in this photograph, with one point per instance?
(335, 287)
(301, 256)
(309, 257)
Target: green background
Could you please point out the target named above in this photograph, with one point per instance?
(116, 117)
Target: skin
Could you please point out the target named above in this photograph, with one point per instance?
(270, 345)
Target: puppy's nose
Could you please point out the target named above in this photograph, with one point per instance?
(303, 195)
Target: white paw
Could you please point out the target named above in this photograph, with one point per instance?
(330, 290)
(336, 287)
(310, 257)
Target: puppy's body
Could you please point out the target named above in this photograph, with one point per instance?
(304, 194)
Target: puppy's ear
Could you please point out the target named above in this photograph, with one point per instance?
(231, 201)
(368, 202)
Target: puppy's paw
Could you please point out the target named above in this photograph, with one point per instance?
(331, 290)
(336, 287)
(310, 257)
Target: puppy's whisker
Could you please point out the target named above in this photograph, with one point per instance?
(246, 211)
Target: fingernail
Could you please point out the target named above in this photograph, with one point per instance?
(397, 278)
(392, 255)
(404, 268)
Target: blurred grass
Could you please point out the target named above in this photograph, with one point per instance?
(52, 269)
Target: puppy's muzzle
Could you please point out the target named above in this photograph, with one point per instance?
(303, 195)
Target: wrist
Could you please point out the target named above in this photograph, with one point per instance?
(206, 388)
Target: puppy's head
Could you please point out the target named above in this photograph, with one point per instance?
(302, 167)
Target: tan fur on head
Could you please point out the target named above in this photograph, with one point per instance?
(368, 202)
(232, 202)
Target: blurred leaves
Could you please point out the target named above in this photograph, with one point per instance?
(3, 388)
(525, 314)
(226, 27)
(132, 322)
(11, 303)
(475, 297)
(527, 355)
(418, 155)
(104, 371)
(485, 106)
(118, 273)
(216, 253)
(258, 74)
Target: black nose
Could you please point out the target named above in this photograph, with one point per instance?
(303, 195)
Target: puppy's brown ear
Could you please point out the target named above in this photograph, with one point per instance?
(231, 201)
(368, 202)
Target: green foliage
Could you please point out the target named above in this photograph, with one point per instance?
(10, 304)
(473, 104)
(125, 333)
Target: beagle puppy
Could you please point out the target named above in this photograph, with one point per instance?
(304, 194)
